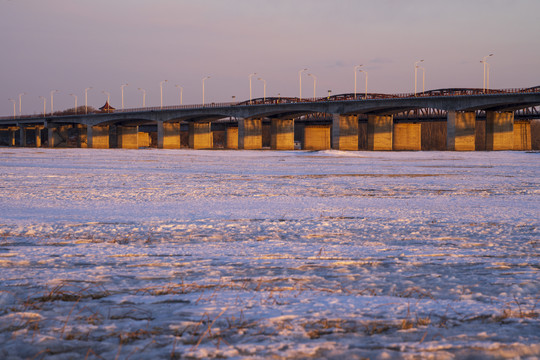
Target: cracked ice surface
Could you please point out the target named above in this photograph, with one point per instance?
(234, 254)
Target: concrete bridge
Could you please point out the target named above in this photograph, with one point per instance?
(244, 129)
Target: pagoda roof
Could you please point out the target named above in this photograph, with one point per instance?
(106, 107)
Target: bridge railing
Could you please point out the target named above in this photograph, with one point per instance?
(175, 107)
(283, 100)
(36, 116)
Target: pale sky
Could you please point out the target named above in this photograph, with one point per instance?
(73, 44)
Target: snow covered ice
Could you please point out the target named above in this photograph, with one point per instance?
(135, 254)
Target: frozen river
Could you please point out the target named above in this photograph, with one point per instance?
(121, 254)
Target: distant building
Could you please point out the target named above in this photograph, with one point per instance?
(107, 108)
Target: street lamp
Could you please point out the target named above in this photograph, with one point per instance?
(423, 78)
(415, 72)
(14, 107)
(161, 92)
(20, 103)
(122, 89)
(356, 67)
(487, 77)
(206, 77)
(86, 99)
(250, 76)
(143, 97)
(314, 84)
(365, 72)
(52, 100)
(300, 81)
(75, 96)
(484, 61)
(44, 105)
(181, 91)
(264, 81)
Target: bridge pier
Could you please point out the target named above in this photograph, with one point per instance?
(144, 139)
(14, 135)
(38, 135)
(282, 134)
(460, 130)
(407, 137)
(250, 134)
(82, 136)
(200, 135)
(231, 137)
(12, 131)
(380, 132)
(128, 137)
(522, 135)
(499, 130)
(316, 137)
(50, 137)
(22, 136)
(344, 132)
(97, 137)
(168, 135)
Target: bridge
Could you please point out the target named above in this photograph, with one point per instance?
(392, 122)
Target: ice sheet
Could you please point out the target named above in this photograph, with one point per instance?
(233, 254)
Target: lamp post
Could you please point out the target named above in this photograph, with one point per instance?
(75, 96)
(356, 67)
(204, 78)
(415, 73)
(14, 107)
(44, 105)
(161, 92)
(423, 78)
(300, 81)
(143, 97)
(86, 99)
(20, 102)
(122, 90)
(365, 72)
(52, 100)
(314, 84)
(487, 77)
(181, 91)
(329, 94)
(250, 76)
(484, 61)
(264, 82)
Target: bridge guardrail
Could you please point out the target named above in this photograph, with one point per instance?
(269, 101)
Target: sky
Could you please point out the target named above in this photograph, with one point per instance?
(70, 45)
